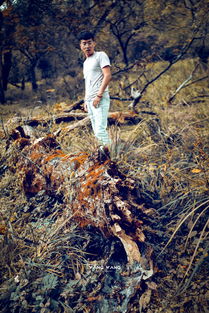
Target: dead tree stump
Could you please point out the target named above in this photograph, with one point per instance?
(96, 195)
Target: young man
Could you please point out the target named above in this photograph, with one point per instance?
(97, 75)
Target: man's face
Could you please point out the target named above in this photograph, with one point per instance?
(87, 46)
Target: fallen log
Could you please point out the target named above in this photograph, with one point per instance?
(84, 122)
(113, 118)
(97, 198)
(58, 118)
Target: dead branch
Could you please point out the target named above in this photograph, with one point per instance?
(85, 121)
(197, 80)
(58, 118)
(15, 85)
(75, 106)
(185, 83)
(125, 69)
(113, 118)
(120, 99)
(138, 96)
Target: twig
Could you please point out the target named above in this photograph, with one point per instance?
(125, 69)
(183, 85)
(15, 85)
(198, 80)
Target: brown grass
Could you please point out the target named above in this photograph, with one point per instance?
(168, 157)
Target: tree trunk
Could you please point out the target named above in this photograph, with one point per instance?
(6, 68)
(2, 95)
(23, 84)
(33, 76)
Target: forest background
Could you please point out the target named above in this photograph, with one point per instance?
(159, 60)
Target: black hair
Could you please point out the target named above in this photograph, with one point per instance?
(85, 35)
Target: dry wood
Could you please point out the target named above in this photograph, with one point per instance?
(186, 83)
(95, 194)
(58, 118)
(113, 118)
(75, 106)
(84, 122)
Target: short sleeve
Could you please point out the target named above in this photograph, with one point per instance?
(104, 59)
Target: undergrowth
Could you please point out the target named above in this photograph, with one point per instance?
(168, 158)
(166, 155)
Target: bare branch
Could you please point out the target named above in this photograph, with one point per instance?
(184, 84)
(25, 53)
(197, 80)
(125, 69)
(133, 104)
(85, 121)
(120, 99)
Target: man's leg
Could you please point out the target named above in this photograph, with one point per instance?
(100, 116)
(91, 114)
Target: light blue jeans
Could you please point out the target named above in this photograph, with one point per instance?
(98, 117)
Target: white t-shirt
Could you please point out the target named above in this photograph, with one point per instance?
(92, 71)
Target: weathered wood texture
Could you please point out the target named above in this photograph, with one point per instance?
(113, 118)
(95, 194)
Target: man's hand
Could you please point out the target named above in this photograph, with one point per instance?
(96, 102)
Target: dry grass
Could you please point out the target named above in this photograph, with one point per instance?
(174, 165)
(167, 156)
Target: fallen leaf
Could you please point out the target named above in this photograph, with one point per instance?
(196, 170)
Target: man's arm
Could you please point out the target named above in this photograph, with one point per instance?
(106, 79)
